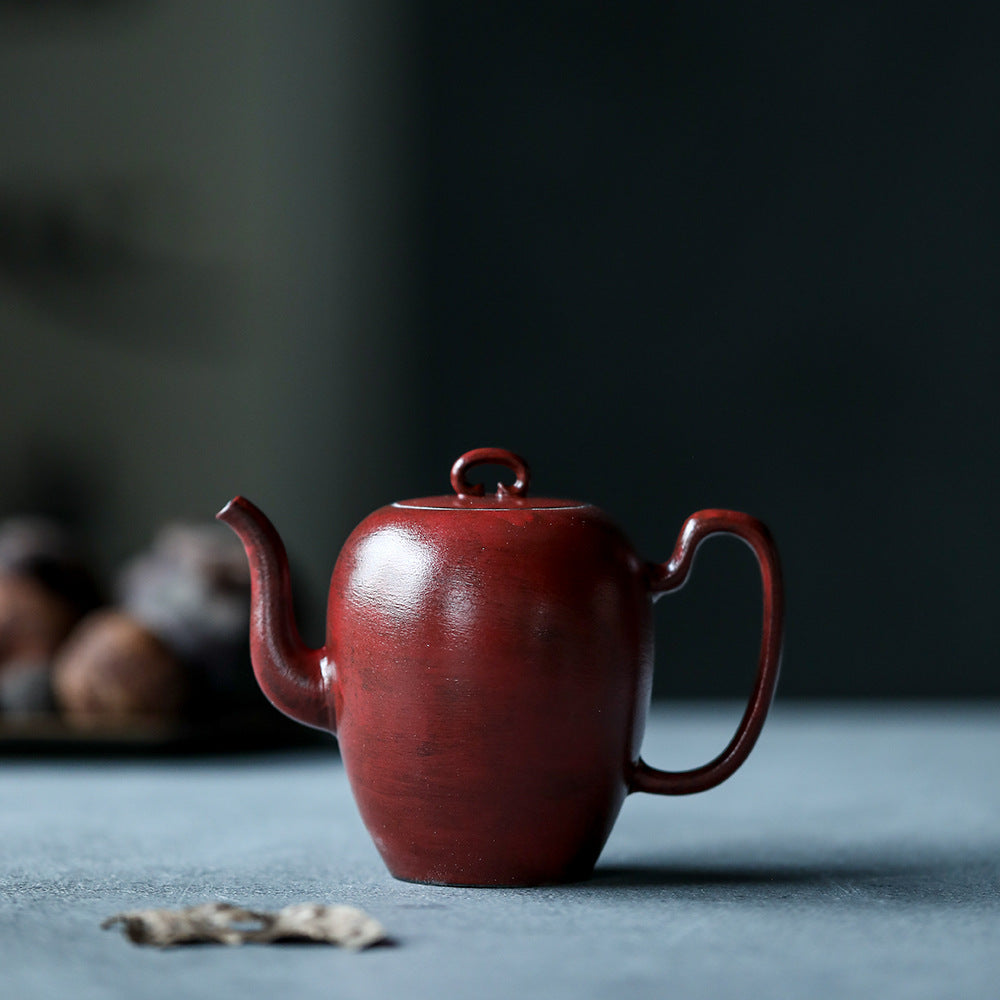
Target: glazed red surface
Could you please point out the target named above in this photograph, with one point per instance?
(487, 670)
(488, 681)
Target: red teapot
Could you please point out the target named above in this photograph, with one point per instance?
(487, 671)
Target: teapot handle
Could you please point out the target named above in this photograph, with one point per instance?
(672, 576)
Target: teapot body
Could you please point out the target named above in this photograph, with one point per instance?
(492, 674)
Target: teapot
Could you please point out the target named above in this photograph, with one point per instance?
(488, 670)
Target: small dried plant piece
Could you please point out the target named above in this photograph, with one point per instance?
(343, 925)
(208, 922)
(224, 923)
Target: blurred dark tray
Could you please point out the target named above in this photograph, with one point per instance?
(49, 736)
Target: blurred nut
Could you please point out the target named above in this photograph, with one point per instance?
(112, 669)
(192, 586)
(45, 587)
(33, 619)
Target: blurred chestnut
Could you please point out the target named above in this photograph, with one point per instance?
(33, 620)
(191, 588)
(45, 587)
(113, 670)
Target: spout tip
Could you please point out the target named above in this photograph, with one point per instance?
(227, 512)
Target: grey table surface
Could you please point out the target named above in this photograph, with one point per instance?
(856, 854)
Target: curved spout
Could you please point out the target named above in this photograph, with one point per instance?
(290, 674)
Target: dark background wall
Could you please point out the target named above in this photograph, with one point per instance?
(678, 256)
(690, 255)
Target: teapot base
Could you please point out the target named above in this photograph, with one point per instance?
(503, 884)
(498, 879)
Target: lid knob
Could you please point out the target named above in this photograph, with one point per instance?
(490, 456)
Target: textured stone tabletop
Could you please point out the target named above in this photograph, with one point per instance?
(856, 854)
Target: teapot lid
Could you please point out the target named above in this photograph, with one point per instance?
(472, 496)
